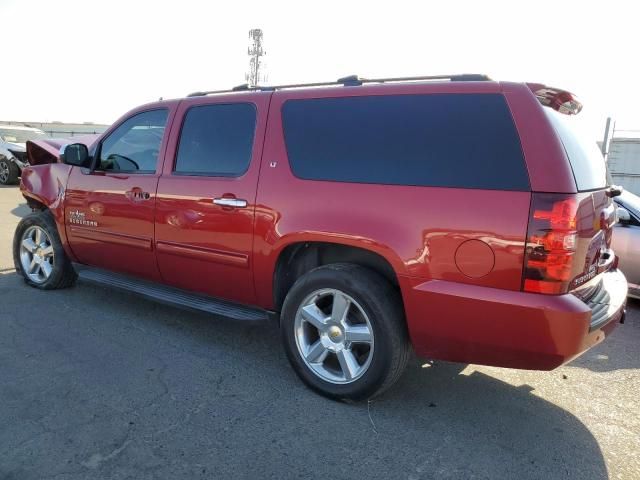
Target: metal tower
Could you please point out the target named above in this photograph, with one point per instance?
(255, 51)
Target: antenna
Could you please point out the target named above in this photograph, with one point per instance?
(255, 51)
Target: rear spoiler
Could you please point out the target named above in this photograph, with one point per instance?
(560, 100)
(40, 152)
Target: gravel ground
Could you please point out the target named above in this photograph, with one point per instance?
(99, 384)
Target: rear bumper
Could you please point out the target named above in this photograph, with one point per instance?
(473, 324)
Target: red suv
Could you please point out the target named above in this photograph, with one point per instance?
(457, 215)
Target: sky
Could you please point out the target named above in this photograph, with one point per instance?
(93, 60)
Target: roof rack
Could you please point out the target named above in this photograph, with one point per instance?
(350, 81)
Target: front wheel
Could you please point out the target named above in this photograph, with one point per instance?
(38, 253)
(344, 333)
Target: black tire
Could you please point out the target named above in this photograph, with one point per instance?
(13, 172)
(383, 306)
(62, 275)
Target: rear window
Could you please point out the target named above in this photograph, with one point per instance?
(588, 165)
(446, 140)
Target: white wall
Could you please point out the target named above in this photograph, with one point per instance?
(624, 163)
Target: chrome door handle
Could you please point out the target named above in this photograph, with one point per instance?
(230, 202)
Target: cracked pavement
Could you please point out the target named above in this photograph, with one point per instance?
(96, 383)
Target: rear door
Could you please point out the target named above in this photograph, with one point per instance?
(109, 211)
(206, 195)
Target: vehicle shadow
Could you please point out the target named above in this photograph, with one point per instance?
(21, 210)
(481, 427)
(621, 349)
(105, 371)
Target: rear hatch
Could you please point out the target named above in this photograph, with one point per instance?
(569, 234)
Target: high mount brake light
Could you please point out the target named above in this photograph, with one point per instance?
(560, 100)
(551, 243)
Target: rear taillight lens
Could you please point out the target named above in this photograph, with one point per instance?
(560, 100)
(551, 243)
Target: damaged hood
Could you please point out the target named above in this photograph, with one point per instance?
(47, 150)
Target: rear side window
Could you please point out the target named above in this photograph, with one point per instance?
(447, 140)
(216, 140)
(587, 162)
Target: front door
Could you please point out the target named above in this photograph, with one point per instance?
(109, 211)
(206, 196)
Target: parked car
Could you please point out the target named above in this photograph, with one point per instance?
(457, 215)
(13, 155)
(626, 239)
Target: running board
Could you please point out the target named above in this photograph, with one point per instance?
(170, 295)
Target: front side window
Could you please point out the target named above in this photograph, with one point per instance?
(134, 146)
(216, 140)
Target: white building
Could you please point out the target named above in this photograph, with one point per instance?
(624, 163)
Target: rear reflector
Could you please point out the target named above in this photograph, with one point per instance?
(560, 100)
(551, 243)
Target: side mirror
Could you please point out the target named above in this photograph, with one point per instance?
(76, 154)
(624, 217)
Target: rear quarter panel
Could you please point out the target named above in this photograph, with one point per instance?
(418, 230)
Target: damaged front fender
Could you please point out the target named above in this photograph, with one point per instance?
(43, 186)
(44, 181)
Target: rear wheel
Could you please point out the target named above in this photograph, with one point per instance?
(9, 172)
(38, 253)
(344, 333)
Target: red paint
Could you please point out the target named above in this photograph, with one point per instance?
(547, 163)
(406, 225)
(123, 238)
(44, 185)
(498, 327)
(475, 259)
(458, 254)
(198, 240)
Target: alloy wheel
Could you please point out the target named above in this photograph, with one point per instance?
(4, 172)
(334, 336)
(36, 254)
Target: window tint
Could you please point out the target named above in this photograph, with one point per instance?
(134, 145)
(216, 140)
(587, 162)
(448, 140)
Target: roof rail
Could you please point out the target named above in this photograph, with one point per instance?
(351, 81)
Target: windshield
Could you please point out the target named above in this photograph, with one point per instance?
(20, 136)
(588, 165)
(630, 202)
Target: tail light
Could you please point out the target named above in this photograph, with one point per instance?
(560, 100)
(551, 243)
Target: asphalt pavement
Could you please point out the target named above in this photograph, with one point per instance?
(99, 384)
